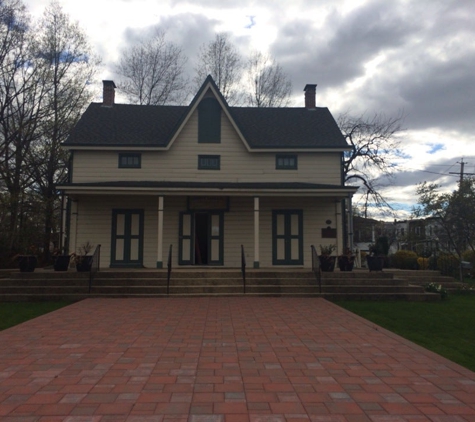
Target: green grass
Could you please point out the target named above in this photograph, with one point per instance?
(13, 313)
(446, 327)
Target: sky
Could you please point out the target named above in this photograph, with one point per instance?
(414, 58)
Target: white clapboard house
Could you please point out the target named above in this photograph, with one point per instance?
(205, 178)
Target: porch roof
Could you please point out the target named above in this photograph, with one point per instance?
(216, 188)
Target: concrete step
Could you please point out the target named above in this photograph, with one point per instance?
(71, 285)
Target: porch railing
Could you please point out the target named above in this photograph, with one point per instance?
(95, 264)
(316, 268)
(169, 266)
(243, 268)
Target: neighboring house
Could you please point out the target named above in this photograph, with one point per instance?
(206, 179)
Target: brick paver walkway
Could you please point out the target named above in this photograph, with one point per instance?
(222, 360)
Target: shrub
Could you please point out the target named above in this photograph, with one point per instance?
(404, 260)
(448, 265)
(423, 263)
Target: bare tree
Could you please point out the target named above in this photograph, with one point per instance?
(152, 72)
(269, 85)
(221, 60)
(374, 147)
(67, 64)
(20, 111)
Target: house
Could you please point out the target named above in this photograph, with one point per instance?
(205, 179)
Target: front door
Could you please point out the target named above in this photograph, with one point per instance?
(201, 238)
(127, 238)
(287, 237)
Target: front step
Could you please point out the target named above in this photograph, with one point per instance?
(70, 285)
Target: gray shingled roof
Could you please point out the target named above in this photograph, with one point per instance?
(154, 126)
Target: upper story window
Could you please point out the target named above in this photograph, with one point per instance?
(130, 160)
(286, 162)
(209, 121)
(209, 162)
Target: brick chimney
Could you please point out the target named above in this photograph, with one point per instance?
(310, 96)
(108, 93)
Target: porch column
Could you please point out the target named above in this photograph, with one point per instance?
(74, 227)
(350, 222)
(339, 227)
(256, 232)
(160, 233)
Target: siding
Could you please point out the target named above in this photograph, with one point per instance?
(93, 220)
(181, 161)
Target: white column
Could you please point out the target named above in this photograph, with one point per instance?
(160, 233)
(74, 227)
(339, 227)
(256, 232)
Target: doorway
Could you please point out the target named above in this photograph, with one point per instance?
(201, 238)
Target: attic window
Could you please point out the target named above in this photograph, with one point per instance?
(209, 121)
(286, 162)
(130, 160)
(209, 162)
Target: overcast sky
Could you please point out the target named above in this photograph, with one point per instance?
(415, 57)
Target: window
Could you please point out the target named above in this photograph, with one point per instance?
(286, 161)
(209, 162)
(130, 160)
(209, 121)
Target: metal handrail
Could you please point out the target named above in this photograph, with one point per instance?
(95, 264)
(169, 266)
(316, 268)
(243, 268)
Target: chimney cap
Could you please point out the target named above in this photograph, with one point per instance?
(108, 83)
(310, 87)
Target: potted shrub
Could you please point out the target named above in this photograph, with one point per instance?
(346, 261)
(82, 259)
(27, 262)
(61, 262)
(377, 252)
(327, 261)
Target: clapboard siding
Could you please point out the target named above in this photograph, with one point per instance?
(92, 223)
(180, 162)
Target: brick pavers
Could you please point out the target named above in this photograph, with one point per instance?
(222, 359)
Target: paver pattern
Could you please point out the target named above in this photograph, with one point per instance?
(222, 359)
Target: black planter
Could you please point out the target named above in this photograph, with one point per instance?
(84, 263)
(27, 263)
(61, 263)
(375, 263)
(346, 262)
(327, 262)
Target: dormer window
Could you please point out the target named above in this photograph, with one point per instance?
(209, 121)
(286, 162)
(130, 160)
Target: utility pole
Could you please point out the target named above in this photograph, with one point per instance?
(462, 165)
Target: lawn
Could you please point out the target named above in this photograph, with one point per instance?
(446, 327)
(13, 313)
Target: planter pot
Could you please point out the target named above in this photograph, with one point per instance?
(27, 263)
(346, 262)
(375, 263)
(84, 264)
(61, 263)
(327, 262)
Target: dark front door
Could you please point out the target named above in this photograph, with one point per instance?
(287, 237)
(127, 238)
(201, 238)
